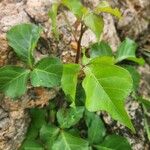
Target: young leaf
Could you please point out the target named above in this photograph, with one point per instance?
(76, 7)
(69, 80)
(69, 117)
(126, 50)
(47, 72)
(48, 135)
(69, 142)
(23, 39)
(96, 128)
(106, 87)
(53, 15)
(95, 23)
(13, 80)
(100, 49)
(114, 142)
(106, 8)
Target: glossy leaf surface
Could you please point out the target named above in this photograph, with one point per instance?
(106, 88)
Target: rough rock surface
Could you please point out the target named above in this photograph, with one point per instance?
(135, 23)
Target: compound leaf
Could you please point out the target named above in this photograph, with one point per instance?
(106, 87)
(69, 117)
(23, 39)
(13, 80)
(69, 80)
(69, 142)
(47, 72)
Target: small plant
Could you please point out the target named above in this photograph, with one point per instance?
(100, 82)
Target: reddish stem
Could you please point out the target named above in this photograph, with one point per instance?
(79, 44)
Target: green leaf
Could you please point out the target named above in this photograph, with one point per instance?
(69, 80)
(114, 142)
(80, 95)
(96, 128)
(69, 117)
(140, 61)
(32, 145)
(69, 142)
(53, 15)
(47, 73)
(103, 60)
(23, 39)
(95, 23)
(37, 121)
(106, 8)
(76, 7)
(13, 80)
(85, 59)
(100, 49)
(135, 76)
(48, 135)
(126, 50)
(106, 88)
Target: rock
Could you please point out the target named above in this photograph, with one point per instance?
(38, 10)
